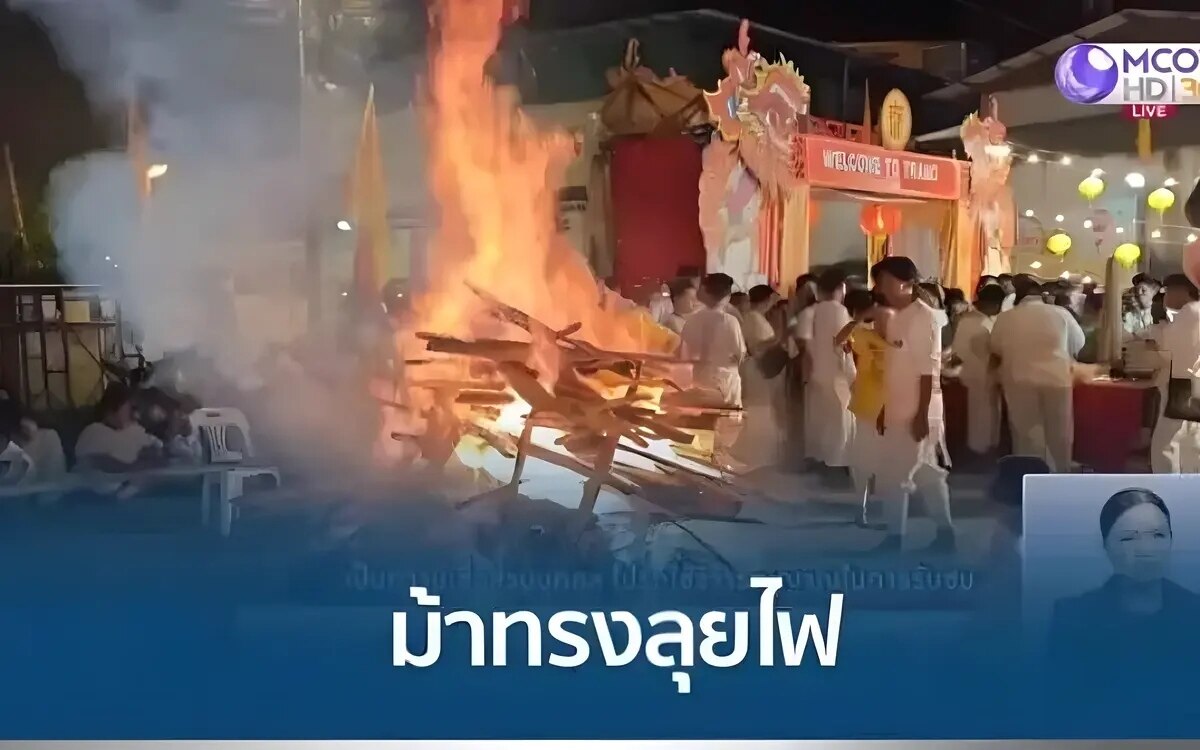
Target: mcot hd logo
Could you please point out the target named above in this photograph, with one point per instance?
(1130, 74)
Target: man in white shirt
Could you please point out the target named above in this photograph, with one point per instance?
(1037, 345)
(912, 423)
(116, 443)
(712, 338)
(1137, 323)
(684, 303)
(1175, 444)
(831, 375)
(972, 348)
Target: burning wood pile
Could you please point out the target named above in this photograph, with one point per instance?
(514, 391)
(617, 419)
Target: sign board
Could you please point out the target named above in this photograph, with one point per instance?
(845, 165)
(895, 121)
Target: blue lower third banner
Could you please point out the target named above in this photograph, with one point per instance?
(387, 633)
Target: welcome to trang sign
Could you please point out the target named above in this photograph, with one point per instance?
(846, 165)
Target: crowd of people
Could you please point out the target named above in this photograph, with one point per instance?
(132, 429)
(846, 380)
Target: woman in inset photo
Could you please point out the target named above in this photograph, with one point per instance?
(1137, 602)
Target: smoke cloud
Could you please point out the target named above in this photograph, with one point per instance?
(219, 92)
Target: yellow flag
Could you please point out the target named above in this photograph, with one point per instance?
(135, 143)
(1145, 148)
(369, 209)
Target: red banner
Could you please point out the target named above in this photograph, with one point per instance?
(846, 165)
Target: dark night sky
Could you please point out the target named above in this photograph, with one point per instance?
(45, 117)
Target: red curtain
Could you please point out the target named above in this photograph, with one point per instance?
(655, 209)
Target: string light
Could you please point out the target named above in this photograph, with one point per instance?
(1059, 218)
(1170, 182)
(1135, 180)
(1032, 159)
(1065, 275)
(1120, 230)
(1157, 233)
(1029, 213)
(1191, 237)
(1035, 265)
(1065, 161)
(1087, 224)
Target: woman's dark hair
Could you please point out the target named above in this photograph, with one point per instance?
(859, 301)
(115, 396)
(954, 296)
(1183, 282)
(896, 266)
(1124, 501)
(736, 297)
(805, 278)
(760, 294)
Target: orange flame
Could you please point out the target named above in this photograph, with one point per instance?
(496, 178)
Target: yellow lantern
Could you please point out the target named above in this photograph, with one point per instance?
(1091, 187)
(1058, 243)
(1127, 255)
(1161, 200)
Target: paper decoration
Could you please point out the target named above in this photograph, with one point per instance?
(1127, 254)
(1091, 188)
(1058, 243)
(1161, 200)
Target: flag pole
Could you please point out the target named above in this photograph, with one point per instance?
(18, 215)
(312, 231)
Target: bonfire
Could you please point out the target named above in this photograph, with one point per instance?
(510, 352)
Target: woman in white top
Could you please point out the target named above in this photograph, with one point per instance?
(761, 437)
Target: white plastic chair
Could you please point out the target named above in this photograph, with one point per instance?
(214, 427)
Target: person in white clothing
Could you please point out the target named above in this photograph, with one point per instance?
(762, 392)
(1175, 444)
(1008, 284)
(16, 467)
(1037, 344)
(972, 350)
(115, 443)
(832, 375)
(799, 323)
(684, 303)
(712, 338)
(1137, 321)
(911, 424)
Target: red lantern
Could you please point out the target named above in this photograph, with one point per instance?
(877, 220)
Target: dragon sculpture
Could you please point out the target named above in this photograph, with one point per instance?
(989, 201)
(758, 110)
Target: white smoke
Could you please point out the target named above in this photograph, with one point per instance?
(220, 99)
